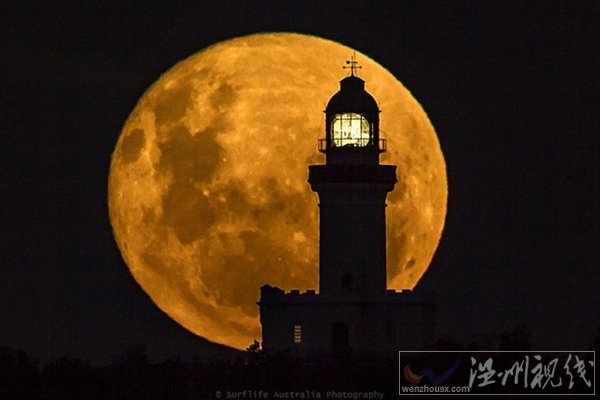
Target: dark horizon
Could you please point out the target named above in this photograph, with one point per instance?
(510, 89)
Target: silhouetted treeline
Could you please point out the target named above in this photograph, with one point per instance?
(132, 375)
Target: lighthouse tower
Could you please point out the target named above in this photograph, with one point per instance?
(353, 313)
(352, 188)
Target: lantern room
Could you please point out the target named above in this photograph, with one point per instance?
(352, 123)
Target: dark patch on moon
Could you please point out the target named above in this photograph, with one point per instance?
(149, 216)
(223, 97)
(171, 104)
(237, 202)
(132, 145)
(188, 212)
(154, 262)
(191, 159)
(398, 242)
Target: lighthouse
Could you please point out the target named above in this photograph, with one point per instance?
(352, 188)
(353, 312)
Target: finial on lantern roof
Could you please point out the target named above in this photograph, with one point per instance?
(353, 64)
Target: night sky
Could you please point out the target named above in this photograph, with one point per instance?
(511, 88)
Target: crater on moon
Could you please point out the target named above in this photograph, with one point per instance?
(208, 193)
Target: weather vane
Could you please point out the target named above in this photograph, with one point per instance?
(353, 64)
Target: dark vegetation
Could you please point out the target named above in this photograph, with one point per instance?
(132, 375)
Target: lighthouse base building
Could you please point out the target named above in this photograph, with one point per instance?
(305, 325)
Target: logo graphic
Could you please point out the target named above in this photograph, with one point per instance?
(411, 377)
(488, 372)
(415, 379)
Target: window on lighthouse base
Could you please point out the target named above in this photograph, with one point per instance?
(297, 333)
(350, 129)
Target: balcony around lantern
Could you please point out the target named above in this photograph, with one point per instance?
(341, 143)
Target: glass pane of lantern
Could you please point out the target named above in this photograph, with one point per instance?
(350, 129)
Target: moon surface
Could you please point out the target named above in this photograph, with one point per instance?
(208, 193)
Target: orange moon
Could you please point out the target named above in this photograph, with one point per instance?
(208, 193)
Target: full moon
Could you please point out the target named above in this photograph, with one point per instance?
(208, 194)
